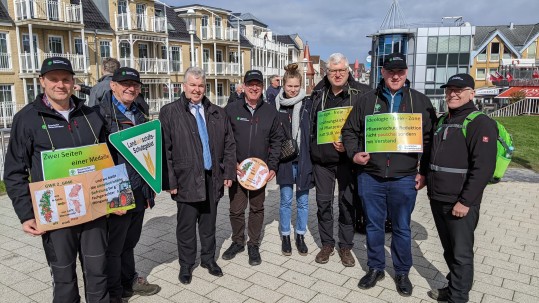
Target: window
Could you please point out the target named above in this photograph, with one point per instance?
(175, 58)
(145, 90)
(482, 55)
(104, 49)
(465, 43)
(443, 44)
(441, 76)
(143, 50)
(432, 45)
(55, 45)
(233, 57)
(218, 28)
(454, 42)
(5, 94)
(5, 58)
(430, 74)
(125, 50)
(491, 71)
(480, 74)
(31, 93)
(141, 16)
(204, 22)
(78, 46)
(208, 89)
(506, 52)
(532, 50)
(495, 51)
(122, 7)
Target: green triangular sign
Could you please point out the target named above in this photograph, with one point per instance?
(141, 147)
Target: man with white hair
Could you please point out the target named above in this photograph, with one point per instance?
(337, 89)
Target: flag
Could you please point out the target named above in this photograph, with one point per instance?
(535, 74)
(491, 78)
(508, 77)
(498, 76)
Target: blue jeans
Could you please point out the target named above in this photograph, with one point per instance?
(285, 209)
(396, 197)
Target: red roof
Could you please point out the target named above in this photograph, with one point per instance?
(532, 92)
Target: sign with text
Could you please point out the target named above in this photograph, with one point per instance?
(81, 198)
(141, 146)
(330, 123)
(395, 133)
(254, 173)
(66, 162)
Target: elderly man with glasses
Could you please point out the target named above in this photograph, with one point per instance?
(389, 181)
(460, 169)
(337, 89)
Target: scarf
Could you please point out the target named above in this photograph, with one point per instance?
(280, 100)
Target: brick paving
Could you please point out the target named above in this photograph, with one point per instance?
(506, 260)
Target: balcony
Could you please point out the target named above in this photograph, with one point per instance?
(77, 61)
(268, 45)
(7, 111)
(207, 33)
(141, 22)
(50, 10)
(221, 68)
(26, 62)
(147, 65)
(156, 105)
(5, 62)
(268, 71)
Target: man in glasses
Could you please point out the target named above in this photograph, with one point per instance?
(389, 181)
(122, 107)
(330, 163)
(274, 89)
(459, 173)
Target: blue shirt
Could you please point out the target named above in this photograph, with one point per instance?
(128, 112)
(394, 100)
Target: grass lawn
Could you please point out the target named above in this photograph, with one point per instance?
(525, 132)
(2, 188)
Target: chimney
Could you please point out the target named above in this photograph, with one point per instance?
(511, 25)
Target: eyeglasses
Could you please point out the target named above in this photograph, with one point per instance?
(339, 71)
(134, 84)
(457, 91)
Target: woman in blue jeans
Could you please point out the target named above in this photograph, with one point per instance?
(293, 109)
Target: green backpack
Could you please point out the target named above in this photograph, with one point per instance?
(504, 144)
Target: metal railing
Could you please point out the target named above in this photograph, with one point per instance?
(77, 61)
(221, 68)
(221, 33)
(5, 62)
(220, 100)
(141, 22)
(51, 10)
(156, 104)
(26, 62)
(7, 111)
(151, 65)
(522, 107)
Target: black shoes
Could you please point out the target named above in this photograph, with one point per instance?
(254, 255)
(186, 274)
(232, 251)
(286, 246)
(370, 279)
(441, 294)
(404, 286)
(213, 268)
(300, 245)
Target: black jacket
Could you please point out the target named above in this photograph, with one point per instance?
(235, 97)
(304, 179)
(322, 98)
(110, 115)
(28, 138)
(476, 153)
(183, 163)
(389, 165)
(257, 135)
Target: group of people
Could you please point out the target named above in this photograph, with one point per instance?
(383, 185)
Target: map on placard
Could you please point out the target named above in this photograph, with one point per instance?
(76, 205)
(254, 173)
(47, 207)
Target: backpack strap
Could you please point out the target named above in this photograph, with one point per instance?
(448, 169)
(469, 119)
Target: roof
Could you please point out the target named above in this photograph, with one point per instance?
(250, 17)
(186, 7)
(532, 92)
(177, 29)
(93, 19)
(4, 16)
(286, 39)
(519, 35)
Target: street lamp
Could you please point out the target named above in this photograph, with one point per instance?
(305, 62)
(190, 18)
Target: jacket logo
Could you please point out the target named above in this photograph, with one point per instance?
(242, 119)
(51, 126)
(485, 139)
(377, 107)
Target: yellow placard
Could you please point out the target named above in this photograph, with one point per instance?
(394, 132)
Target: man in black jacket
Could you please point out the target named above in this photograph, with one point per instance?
(389, 181)
(200, 160)
(122, 108)
(237, 95)
(330, 163)
(57, 120)
(258, 134)
(460, 169)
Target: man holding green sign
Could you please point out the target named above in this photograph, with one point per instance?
(390, 179)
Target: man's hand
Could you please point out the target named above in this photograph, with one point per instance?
(338, 146)
(228, 183)
(76, 87)
(271, 175)
(419, 181)
(30, 227)
(459, 210)
(172, 191)
(120, 212)
(239, 172)
(362, 158)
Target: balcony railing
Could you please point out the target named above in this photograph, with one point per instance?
(221, 68)
(51, 10)
(7, 111)
(141, 22)
(176, 66)
(77, 61)
(156, 105)
(221, 33)
(26, 62)
(221, 100)
(151, 65)
(268, 44)
(5, 62)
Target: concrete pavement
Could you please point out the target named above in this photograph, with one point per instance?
(507, 257)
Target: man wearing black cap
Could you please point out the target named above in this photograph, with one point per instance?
(459, 171)
(122, 108)
(258, 134)
(389, 182)
(56, 120)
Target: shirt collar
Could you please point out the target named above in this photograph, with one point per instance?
(48, 104)
(122, 107)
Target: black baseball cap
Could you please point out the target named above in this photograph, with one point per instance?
(253, 75)
(56, 63)
(125, 74)
(460, 80)
(395, 61)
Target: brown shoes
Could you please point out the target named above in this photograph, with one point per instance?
(346, 257)
(323, 255)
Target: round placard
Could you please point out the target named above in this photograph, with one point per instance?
(254, 174)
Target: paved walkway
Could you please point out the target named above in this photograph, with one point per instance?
(507, 257)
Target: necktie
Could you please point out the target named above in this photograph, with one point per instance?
(203, 133)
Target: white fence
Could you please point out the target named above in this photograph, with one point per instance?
(51, 10)
(522, 107)
(141, 22)
(5, 62)
(7, 111)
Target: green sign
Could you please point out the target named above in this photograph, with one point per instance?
(330, 123)
(141, 147)
(394, 132)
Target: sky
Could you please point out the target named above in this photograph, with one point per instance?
(331, 26)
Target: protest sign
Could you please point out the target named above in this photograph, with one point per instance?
(394, 132)
(330, 123)
(254, 174)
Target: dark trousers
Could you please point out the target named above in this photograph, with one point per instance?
(61, 247)
(396, 197)
(239, 198)
(124, 234)
(324, 180)
(457, 237)
(189, 214)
